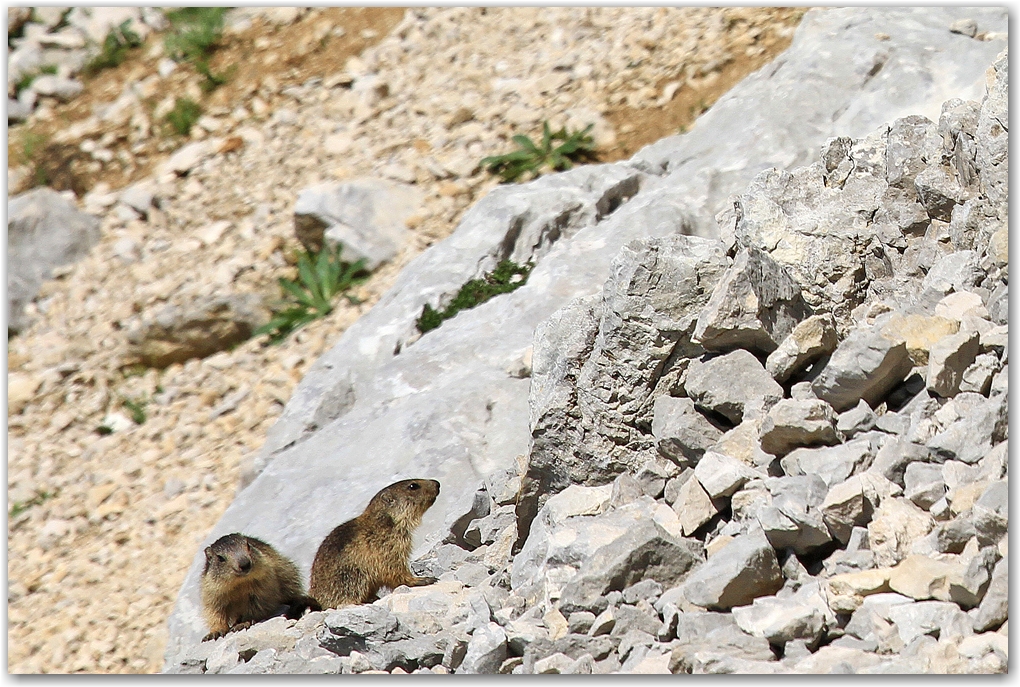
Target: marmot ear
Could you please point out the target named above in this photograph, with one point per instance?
(208, 553)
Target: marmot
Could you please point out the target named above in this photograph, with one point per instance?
(373, 550)
(245, 581)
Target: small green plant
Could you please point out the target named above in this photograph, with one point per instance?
(505, 278)
(195, 35)
(531, 158)
(322, 276)
(115, 48)
(19, 507)
(32, 143)
(185, 113)
(137, 409)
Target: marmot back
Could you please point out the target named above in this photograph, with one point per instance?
(373, 550)
(245, 581)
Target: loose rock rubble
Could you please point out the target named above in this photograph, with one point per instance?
(850, 518)
(106, 524)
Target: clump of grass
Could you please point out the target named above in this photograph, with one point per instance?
(115, 49)
(19, 507)
(26, 80)
(505, 278)
(136, 409)
(185, 113)
(195, 35)
(531, 158)
(322, 276)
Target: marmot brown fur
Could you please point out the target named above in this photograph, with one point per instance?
(245, 581)
(373, 550)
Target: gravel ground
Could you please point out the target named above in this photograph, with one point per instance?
(104, 527)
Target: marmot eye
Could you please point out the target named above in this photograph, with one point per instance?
(412, 486)
(223, 559)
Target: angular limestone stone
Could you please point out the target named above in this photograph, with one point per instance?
(949, 359)
(730, 384)
(779, 621)
(694, 506)
(924, 484)
(860, 418)
(895, 526)
(790, 424)
(754, 306)
(865, 365)
(846, 506)
(367, 216)
(809, 341)
(921, 332)
(721, 475)
(743, 570)
(921, 577)
(682, 433)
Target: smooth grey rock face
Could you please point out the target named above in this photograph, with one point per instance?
(366, 216)
(731, 385)
(742, 570)
(44, 231)
(948, 360)
(445, 403)
(866, 365)
(754, 306)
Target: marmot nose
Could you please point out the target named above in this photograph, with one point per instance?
(435, 482)
(244, 565)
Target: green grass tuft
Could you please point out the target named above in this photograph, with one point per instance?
(531, 158)
(114, 50)
(195, 34)
(322, 276)
(137, 410)
(507, 277)
(19, 507)
(185, 113)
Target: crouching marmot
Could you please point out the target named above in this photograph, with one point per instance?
(245, 581)
(373, 550)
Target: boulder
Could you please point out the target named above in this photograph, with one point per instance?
(647, 551)
(681, 432)
(176, 333)
(810, 340)
(866, 365)
(743, 570)
(44, 230)
(790, 424)
(366, 216)
(731, 385)
(949, 359)
(755, 306)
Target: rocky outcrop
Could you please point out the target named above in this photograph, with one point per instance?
(614, 302)
(45, 230)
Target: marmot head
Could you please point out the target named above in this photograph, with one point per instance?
(232, 555)
(405, 501)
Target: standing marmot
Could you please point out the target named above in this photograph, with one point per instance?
(373, 549)
(245, 581)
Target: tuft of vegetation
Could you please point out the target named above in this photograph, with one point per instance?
(19, 507)
(531, 158)
(322, 276)
(114, 50)
(505, 278)
(136, 409)
(195, 34)
(26, 80)
(185, 113)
